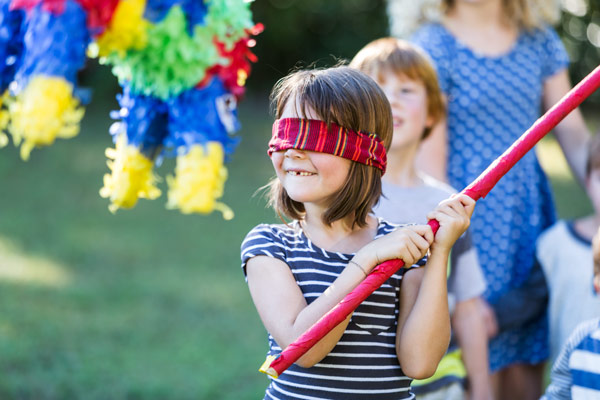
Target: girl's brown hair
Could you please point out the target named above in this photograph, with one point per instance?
(351, 99)
(403, 59)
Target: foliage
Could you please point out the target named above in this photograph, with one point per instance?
(580, 31)
(300, 32)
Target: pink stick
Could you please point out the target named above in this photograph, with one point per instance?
(274, 366)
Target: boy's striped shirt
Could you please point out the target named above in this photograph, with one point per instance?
(576, 372)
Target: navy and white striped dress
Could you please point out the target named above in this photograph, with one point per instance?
(363, 365)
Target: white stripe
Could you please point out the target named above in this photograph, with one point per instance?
(316, 261)
(361, 355)
(353, 332)
(272, 397)
(340, 390)
(346, 378)
(375, 304)
(297, 396)
(379, 316)
(379, 327)
(299, 271)
(595, 334)
(262, 245)
(385, 293)
(312, 294)
(319, 283)
(585, 361)
(367, 367)
(581, 393)
(372, 344)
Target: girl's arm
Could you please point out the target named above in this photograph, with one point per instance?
(284, 311)
(424, 321)
(572, 133)
(286, 314)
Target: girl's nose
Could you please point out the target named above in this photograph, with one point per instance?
(294, 153)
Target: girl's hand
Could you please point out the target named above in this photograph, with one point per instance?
(409, 244)
(454, 216)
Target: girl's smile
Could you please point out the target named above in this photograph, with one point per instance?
(308, 176)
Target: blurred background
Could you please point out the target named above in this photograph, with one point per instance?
(150, 303)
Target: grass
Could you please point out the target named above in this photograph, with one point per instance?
(144, 304)
(147, 303)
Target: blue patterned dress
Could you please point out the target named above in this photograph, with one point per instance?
(491, 102)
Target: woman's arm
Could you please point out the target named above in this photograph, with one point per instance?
(572, 133)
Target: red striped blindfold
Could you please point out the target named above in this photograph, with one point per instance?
(316, 135)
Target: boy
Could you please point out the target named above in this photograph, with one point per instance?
(565, 253)
(410, 83)
(576, 372)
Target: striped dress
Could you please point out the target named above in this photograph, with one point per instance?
(576, 372)
(363, 365)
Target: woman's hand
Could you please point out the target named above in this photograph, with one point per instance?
(454, 216)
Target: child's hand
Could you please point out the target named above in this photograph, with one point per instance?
(596, 254)
(409, 244)
(454, 216)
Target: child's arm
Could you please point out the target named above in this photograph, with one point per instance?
(471, 334)
(286, 314)
(572, 133)
(596, 254)
(433, 153)
(424, 322)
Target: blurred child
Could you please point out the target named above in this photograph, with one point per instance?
(410, 84)
(501, 64)
(576, 372)
(328, 152)
(565, 254)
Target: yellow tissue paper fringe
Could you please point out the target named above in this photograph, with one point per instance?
(4, 118)
(131, 177)
(127, 30)
(199, 180)
(43, 111)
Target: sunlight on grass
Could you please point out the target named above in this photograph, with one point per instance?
(18, 267)
(552, 159)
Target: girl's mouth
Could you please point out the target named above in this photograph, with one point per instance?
(300, 173)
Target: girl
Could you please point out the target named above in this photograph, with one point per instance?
(500, 63)
(328, 153)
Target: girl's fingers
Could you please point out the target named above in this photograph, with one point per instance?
(421, 239)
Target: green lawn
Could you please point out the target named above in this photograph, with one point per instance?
(147, 303)
(144, 304)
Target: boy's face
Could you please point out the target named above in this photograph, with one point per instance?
(408, 99)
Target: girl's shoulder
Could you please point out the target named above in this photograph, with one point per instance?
(272, 233)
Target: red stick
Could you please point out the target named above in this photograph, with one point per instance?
(274, 366)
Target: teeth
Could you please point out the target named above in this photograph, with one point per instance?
(296, 173)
